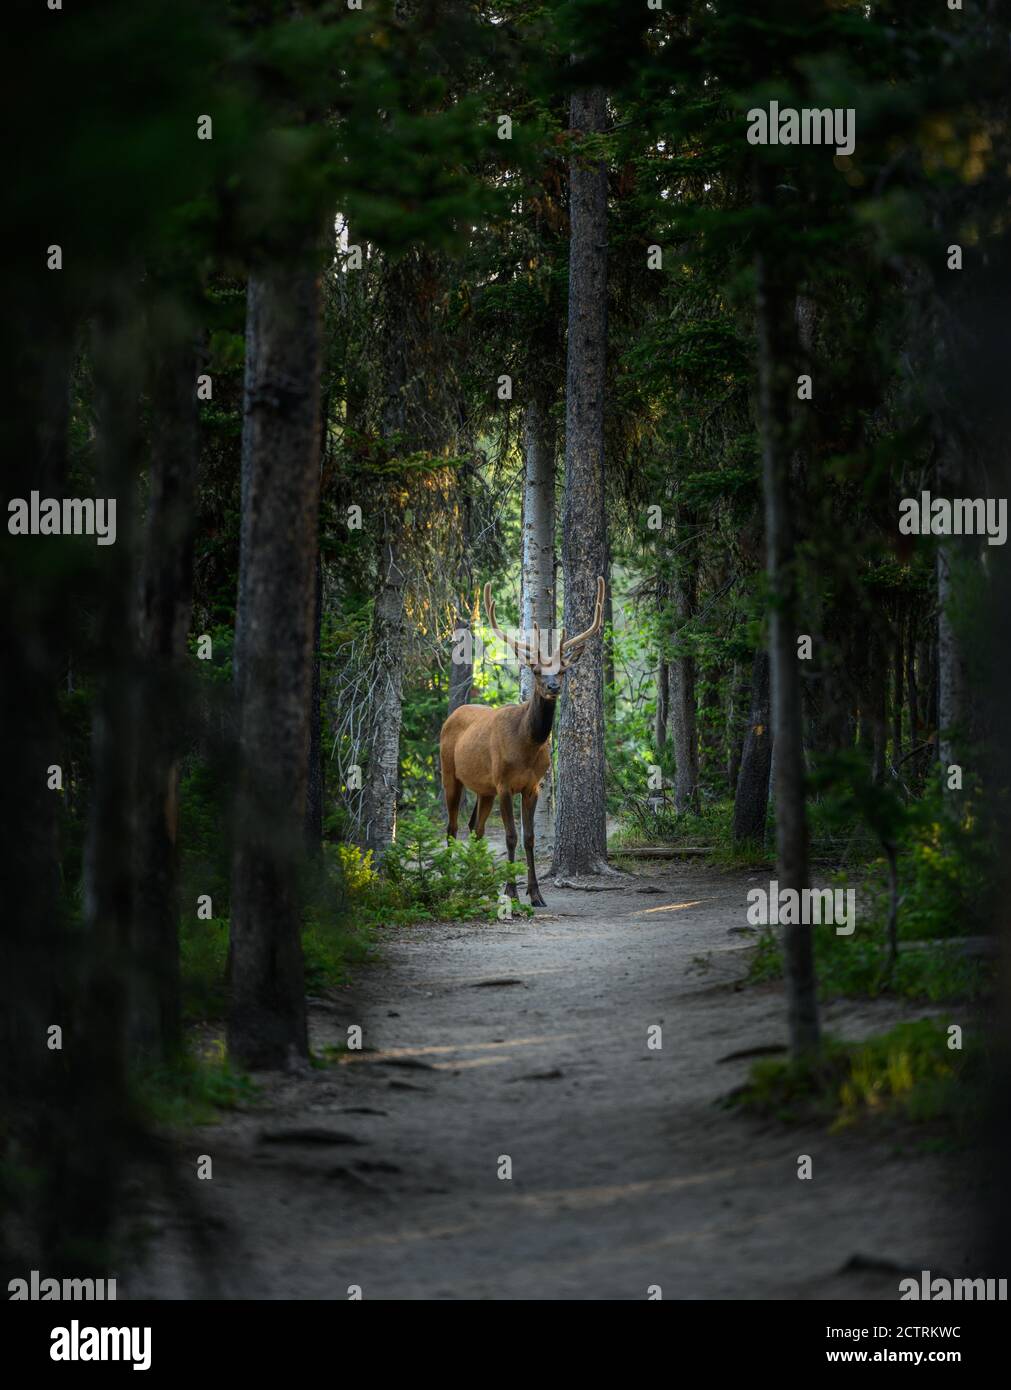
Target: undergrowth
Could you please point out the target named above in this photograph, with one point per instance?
(191, 1090)
(346, 898)
(910, 1075)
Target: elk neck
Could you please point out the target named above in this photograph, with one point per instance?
(539, 717)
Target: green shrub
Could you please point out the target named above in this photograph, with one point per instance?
(335, 889)
(424, 879)
(907, 1074)
(204, 960)
(945, 864)
(191, 1090)
(432, 879)
(335, 932)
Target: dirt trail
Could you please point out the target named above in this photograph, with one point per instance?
(529, 1039)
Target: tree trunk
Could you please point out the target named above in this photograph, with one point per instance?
(165, 603)
(581, 818)
(408, 293)
(538, 574)
(389, 636)
(917, 720)
(88, 1172)
(777, 391)
(874, 710)
(64, 1114)
(751, 801)
(912, 684)
(898, 678)
(662, 705)
(684, 727)
(461, 673)
(954, 556)
(316, 784)
(737, 723)
(273, 662)
(931, 675)
(108, 867)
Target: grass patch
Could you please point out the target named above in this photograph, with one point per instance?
(345, 899)
(191, 1091)
(908, 1075)
(203, 948)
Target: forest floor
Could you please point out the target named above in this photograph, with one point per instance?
(529, 1039)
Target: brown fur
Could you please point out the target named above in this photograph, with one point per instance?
(497, 753)
(486, 750)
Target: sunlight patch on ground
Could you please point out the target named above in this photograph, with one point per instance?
(390, 1052)
(669, 907)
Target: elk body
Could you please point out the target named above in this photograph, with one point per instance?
(497, 753)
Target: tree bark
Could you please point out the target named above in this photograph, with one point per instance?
(737, 723)
(64, 1114)
(538, 572)
(581, 818)
(917, 723)
(461, 669)
(873, 705)
(751, 802)
(683, 718)
(409, 286)
(165, 603)
(662, 704)
(273, 662)
(461, 674)
(108, 867)
(954, 555)
(87, 1175)
(316, 783)
(898, 687)
(777, 390)
(389, 636)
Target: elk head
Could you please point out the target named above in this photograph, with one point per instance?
(548, 670)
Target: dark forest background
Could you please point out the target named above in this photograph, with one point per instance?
(295, 284)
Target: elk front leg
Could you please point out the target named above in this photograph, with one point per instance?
(506, 802)
(533, 889)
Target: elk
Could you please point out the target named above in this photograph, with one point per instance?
(498, 752)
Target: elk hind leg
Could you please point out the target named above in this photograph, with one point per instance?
(454, 791)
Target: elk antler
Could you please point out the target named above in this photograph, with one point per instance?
(523, 653)
(572, 647)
